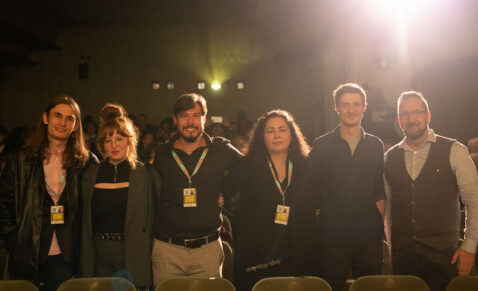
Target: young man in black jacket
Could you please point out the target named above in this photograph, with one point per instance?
(39, 204)
(345, 175)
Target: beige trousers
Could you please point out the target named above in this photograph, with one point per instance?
(173, 260)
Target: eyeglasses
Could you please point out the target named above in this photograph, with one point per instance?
(415, 114)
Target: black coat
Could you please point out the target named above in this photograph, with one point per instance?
(22, 194)
(264, 248)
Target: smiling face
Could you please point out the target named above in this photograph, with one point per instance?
(61, 122)
(413, 118)
(350, 109)
(116, 147)
(190, 123)
(277, 135)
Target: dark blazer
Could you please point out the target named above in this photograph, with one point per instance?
(138, 228)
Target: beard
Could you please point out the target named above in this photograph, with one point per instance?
(190, 138)
(420, 131)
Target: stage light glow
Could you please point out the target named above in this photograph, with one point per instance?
(403, 18)
(215, 85)
(403, 11)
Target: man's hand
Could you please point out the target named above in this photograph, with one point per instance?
(465, 261)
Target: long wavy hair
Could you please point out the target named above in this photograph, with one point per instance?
(298, 149)
(76, 153)
(113, 117)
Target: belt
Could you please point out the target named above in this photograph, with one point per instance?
(110, 235)
(191, 243)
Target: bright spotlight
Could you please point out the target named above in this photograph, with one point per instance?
(404, 8)
(216, 85)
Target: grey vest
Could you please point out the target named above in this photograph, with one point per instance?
(426, 210)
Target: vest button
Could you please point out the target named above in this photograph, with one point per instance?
(413, 220)
(413, 202)
(414, 237)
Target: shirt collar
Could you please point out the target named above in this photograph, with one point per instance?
(431, 138)
(337, 132)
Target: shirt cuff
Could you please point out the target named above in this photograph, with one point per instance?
(469, 245)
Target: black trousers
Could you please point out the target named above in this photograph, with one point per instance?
(110, 261)
(336, 259)
(53, 272)
(422, 261)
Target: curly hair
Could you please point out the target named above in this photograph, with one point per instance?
(298, 148)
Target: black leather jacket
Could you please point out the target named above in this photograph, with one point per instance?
(22, 194)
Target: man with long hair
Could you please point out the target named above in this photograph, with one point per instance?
(39, 197)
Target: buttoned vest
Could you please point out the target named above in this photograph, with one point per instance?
(426, 210)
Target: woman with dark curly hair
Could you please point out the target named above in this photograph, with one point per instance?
(268, 180)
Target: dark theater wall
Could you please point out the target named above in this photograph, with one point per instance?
(291, 54)
(125, 58)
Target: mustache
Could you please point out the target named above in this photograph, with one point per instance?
(412, 124)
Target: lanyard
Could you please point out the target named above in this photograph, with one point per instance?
(289, 178)
(51, 191)
(183, 168)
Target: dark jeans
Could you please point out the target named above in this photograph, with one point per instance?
(53, 272)
(422, 261)
(335, 260)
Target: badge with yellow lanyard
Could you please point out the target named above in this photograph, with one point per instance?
(283, 211)
(57, 212)
(189, 193)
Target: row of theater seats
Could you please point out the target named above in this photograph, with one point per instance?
(367, 283)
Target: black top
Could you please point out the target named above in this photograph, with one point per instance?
(175, 221)
(265, 248)
(108, 206)
(48, 228)
(347, 187)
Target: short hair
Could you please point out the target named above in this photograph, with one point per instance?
(412, 94)
(187, 101)
(113, 117)
(349, 88)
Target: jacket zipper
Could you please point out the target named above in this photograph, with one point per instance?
(116, 172)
